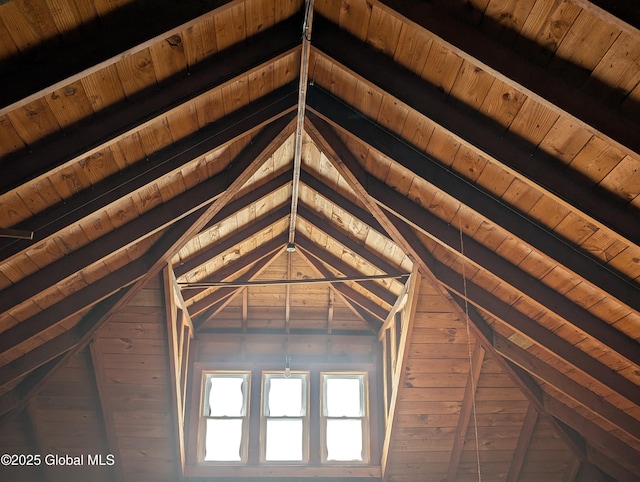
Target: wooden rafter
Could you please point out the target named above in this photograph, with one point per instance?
(488, 260)
(520, 73)
(360, 312)
(524, 439)
(227, 273)
(331, 260)
(567, 386)
(539, 168)
(145, 225)
(476, 198)
(216, 306)
(260, 224)
(466, 411)
(236, 125)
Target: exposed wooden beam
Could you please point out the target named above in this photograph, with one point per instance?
(575, 432)
(466, 411)
(349, 292)
(360, 312)
(344, 268)
(175, 332)
(146, 224)
(136, 112)
(330, 229)
(571, 388)
(227, 272)
(524, 439)
(205, 255)
(101, 43)
(123, 183)
(624, 455)
(487, 259)
(342, 202)
(249, 198)
(402, 358)
(518, 72)
(253, 272)
(539, 168)
(476, 198)
(106, 408)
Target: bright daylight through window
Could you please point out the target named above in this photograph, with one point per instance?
(225, 410)
(287, 426)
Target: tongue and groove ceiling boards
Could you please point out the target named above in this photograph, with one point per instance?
(481, 157)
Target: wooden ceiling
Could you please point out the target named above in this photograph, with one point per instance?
(488, 147)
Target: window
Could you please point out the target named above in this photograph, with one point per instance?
(225, 412)
(344, 417)
(262, 417)
(285, 420)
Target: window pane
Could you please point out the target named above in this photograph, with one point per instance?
(226, 396)
(284, 440)
(285, 398)
(223, 439)
(343, 397)
(344, 440)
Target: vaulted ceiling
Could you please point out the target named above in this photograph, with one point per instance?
(480, 156)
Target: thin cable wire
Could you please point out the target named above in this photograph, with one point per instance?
(471, 368)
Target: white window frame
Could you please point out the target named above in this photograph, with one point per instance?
(205, 391)
(364, 418)
(264, 416)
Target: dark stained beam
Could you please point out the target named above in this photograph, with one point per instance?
(333, 196)
(571, 388)
(575, 439)
(331, 260)
(330, 229)
(481, 132)
(251, 197)
(518, 71)
(130, 115)
(243, 167)
(141, 227)
(624, 455)
(204, 256)
(487, 259)
(99, 43)
(495, 210)
(546, 339)
(123, 183)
